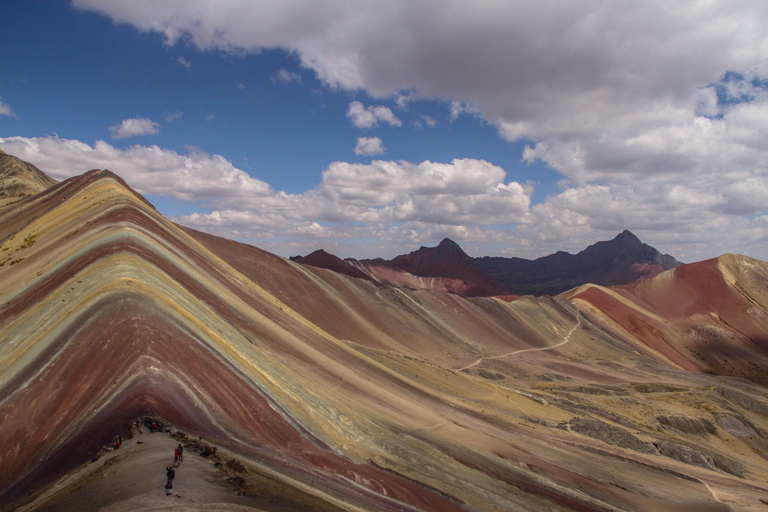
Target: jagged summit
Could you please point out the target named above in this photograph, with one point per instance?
(627, 237)
(623, 260)
(449, 245)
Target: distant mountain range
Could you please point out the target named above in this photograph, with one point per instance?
(623, 260)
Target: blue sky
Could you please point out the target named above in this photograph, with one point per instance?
(515, 128)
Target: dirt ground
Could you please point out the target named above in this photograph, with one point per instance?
(133, 478)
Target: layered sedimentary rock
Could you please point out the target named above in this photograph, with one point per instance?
(645, 397)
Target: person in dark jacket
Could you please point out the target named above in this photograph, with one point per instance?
(181, 453)
(171, 474)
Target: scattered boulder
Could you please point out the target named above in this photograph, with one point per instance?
(653, 387)
(735, 426)
(743, 400)
(695, 426)
(236, 466)
(610, 434)
(684, 454)
(490, 376)
(689, 455)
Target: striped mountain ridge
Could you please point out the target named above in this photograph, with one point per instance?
(640, 397)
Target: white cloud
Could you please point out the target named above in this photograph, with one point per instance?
(285, 76)
(377, 199)
(173, 116)
(458, 108)
(369, 117)
(398, 206)
(429, 120)
(535, 69)
(195, 176)
(633, 103)
(369, 146)
(134, 127)
(5, 110)
(681, 220)
(186, 63)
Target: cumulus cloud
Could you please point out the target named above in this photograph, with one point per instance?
(458, 108)
(658, 106)
(382, 199)
(369, 146)
(369, 117)
(134, 127)
(682, 220)
(195, 176)
(5, 110)
(398, 206)
(534, 62)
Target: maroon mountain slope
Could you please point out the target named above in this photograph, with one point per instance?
(449, 260)
(446, 268)
(322, 259)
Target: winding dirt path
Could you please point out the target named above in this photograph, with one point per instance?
(566, 339)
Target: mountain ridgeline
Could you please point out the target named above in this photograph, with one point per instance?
(623, 260)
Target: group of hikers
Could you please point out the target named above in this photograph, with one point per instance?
(170, 473)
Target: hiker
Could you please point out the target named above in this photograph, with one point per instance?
(180, 451)
(171, 474)
(175, 455)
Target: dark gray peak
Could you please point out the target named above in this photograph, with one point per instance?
(623, 260)
(448, 244)
(626, 246)
(627, 238)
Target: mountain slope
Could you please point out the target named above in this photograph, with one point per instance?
(367, 397)
(623, 260)
(322, 259)
(18, 179)
(705, 316)
(445, 268)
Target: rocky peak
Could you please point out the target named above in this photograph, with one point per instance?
(19, 179)
(449, 245)
(627, 239)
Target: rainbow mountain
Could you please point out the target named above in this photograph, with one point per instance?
(643, 397)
